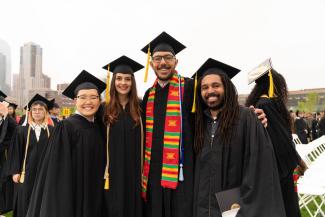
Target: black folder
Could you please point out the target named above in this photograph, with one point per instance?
(228, 199)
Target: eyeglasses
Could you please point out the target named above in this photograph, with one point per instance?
(91, 98)
(167, 58)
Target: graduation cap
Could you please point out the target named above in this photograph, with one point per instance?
(259, 71)
(14, 105)
(163, 42)
(2, 96)
(212, 65)
(123, 65)
(52, 104)
(38, 98)
(84, 81)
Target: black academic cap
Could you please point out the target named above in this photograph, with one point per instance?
(2, 96)
(164, 42)
(14, 105)
(84, 81)
(52, 102)
(123, 65)
(37, 98)
(212, 64)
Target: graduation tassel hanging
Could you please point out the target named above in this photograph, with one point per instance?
(22, 174)
(106, 175)
(147, 65)
(271, 87)
(26, 117)
(107, 86)
(194, 100)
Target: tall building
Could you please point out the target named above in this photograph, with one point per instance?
(5, 67)
(31, 76)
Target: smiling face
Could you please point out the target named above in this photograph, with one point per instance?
(123, 83)
(163, 63)
(87, 102)
(212, 91)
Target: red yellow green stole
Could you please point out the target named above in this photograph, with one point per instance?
(172, 134)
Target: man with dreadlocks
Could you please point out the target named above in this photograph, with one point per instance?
(235, 164)
(270, 93)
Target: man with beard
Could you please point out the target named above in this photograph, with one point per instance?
(168, 188)
(233, 151)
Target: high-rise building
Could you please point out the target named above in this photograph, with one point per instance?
(31, 76)
(5, 67)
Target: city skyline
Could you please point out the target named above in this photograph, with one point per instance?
(89, 34)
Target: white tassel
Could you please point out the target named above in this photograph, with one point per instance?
(181, 176)
(26, 118)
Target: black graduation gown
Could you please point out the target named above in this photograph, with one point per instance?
(7, 129)
(124, 194)
(70, 179)
(163, 202)
(301, 127)
(248, 162)
(23, 191)
(285, 153)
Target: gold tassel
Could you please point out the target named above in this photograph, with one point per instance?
(22, 174)
(194, 100)
(107, 86)
(106, 175)
(106, 187)
(271, 87)
(147, 66)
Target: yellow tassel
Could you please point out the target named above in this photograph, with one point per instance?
(106, 184)
(271, 87)
(107, 86)
(22, 177)
(194, 100)
(147, 66)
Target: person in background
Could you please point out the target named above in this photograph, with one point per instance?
(55, 113)
(301, 128)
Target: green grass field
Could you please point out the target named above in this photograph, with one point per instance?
(304, 213)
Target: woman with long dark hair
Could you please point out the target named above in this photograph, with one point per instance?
(270, 94)
(124, 141)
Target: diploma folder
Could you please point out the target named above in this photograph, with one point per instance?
(228, 201)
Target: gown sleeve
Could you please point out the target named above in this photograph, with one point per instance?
(260, 191)
(53, 190)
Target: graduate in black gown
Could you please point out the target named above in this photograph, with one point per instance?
(301, 127)
(125, 141)
(54, 111)
(7, 128)
(233, 150)
(168, 172)
(270, 94)
(25, 152)
(70, 179)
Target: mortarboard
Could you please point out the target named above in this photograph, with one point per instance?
(2, 96)
(14, 105)
(259, 71)
(38, 98)
(163, 42)
(123, 65)
(84, 81)
(209, 66)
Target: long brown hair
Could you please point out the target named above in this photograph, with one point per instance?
(114, 108)
(227, 118)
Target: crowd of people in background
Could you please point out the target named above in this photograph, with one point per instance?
(308, 125)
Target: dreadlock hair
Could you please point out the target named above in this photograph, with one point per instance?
(228, 115)
(280, 91)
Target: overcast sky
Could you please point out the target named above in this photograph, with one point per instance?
(78, 35)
